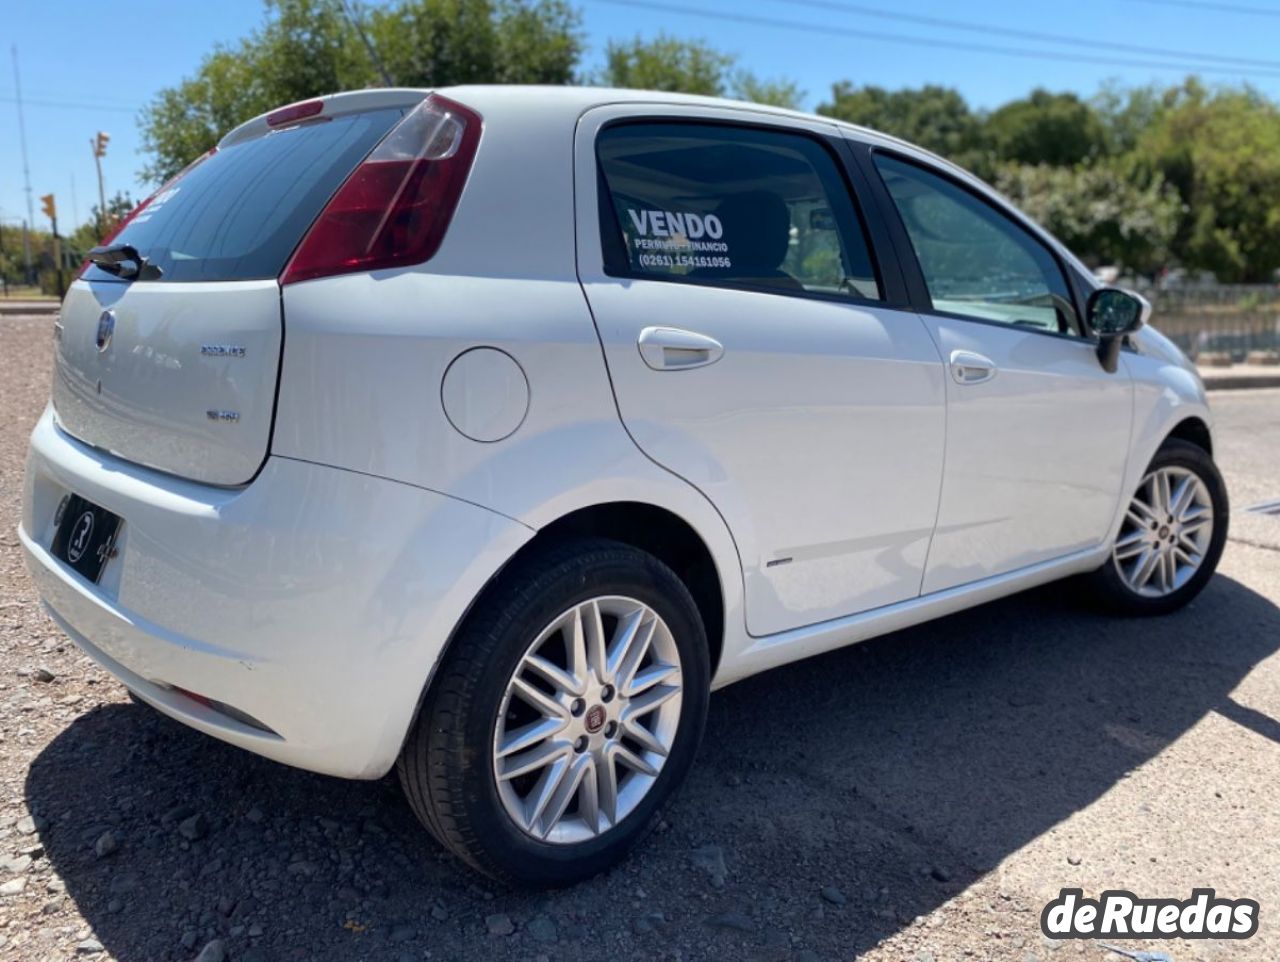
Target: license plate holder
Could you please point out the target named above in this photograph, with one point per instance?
(85, 537)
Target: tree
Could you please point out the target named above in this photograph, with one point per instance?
(307, 48)
(774, 93)
(1107, 212)
(438, 42)
(690, 67)
(87, 235)
(1221, 150)
(936, 118)
(667, 63)
(1047, 128)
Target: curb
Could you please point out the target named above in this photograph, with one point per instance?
(28, 308)
(1241, 382)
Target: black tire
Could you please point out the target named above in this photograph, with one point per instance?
(1108, 584)
(445, 766)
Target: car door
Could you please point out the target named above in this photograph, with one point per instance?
(1037, 431)
(758, 351)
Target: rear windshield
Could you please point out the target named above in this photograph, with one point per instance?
(239, 214)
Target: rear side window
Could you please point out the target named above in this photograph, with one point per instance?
(976, 262)
(730, 206)
(240, 213)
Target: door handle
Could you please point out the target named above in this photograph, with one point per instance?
(970, 368)
(671, 349)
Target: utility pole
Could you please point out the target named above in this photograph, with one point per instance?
(26, 171)
(99, 145)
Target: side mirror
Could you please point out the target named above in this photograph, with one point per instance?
(1113, 314)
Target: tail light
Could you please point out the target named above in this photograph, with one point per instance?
(128, 218)
(393, 210)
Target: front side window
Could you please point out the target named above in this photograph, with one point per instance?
(976, 262)
(730, 206)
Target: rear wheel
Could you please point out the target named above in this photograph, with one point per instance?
(564, 715)
(1173, 533)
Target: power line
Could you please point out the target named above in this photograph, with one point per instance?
(1054, 38)
(776, 23)
(1216, 7)
(68, 105)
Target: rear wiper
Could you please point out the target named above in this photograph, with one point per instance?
(124, 261)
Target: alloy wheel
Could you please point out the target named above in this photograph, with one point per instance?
(588, 719)
(1166, 532)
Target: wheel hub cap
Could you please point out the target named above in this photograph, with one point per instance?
(588, 720)
(1166, 532)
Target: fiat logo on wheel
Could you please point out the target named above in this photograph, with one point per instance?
(595, 719)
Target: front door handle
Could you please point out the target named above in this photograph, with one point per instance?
(970, 368)
(671, 349)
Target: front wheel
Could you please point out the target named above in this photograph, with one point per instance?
(567, 710)
(1173, 533)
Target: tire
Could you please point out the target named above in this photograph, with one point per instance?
(448, 765)
(1111, 585)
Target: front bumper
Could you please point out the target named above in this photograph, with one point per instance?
(313, 603)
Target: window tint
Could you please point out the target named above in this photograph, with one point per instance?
(976, 262)
(240, 213)
(731, 206)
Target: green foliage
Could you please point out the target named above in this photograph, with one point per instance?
(667, 63)
(1046, 128)
(775, 93)
(306, 48)
(1108, 212)
(936, 118)
(1221, 150)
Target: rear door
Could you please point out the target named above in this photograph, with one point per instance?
(179, 373)
(758, 350)
(1037, 431)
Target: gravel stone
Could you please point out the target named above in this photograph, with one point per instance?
(833, 895)
(542, 929)
(107, 844)
(194, 828)
(42, 675)
(499, 924)
(13, 886)
(710, 859)
(89, 947)
(215, 951)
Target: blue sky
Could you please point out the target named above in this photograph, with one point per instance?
(88, 66)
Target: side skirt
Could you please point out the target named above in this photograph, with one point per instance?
(761, 654)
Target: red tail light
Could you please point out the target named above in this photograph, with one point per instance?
(125, 221)
(395, 207)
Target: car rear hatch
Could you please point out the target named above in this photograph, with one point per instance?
(170, 358)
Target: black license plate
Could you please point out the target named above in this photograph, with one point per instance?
(86, 537)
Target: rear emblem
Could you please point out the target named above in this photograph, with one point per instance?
(106, 327)
(595, 719)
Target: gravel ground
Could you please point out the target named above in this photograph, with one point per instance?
(916, 798)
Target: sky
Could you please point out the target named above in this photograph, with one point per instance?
(87, 67)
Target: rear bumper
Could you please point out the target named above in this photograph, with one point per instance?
(314, 602)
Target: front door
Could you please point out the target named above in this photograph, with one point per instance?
(753, 353)
(1037, 431)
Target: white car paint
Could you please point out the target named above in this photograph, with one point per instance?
(318, 597)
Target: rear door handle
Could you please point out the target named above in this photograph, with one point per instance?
(970, 368)
(671, 349)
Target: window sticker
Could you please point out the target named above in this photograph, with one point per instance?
(674, 240)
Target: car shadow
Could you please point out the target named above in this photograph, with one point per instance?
(898, 771)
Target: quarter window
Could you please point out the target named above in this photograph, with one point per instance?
(730, 206)
(976, 262)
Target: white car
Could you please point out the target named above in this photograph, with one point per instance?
(483, 432)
